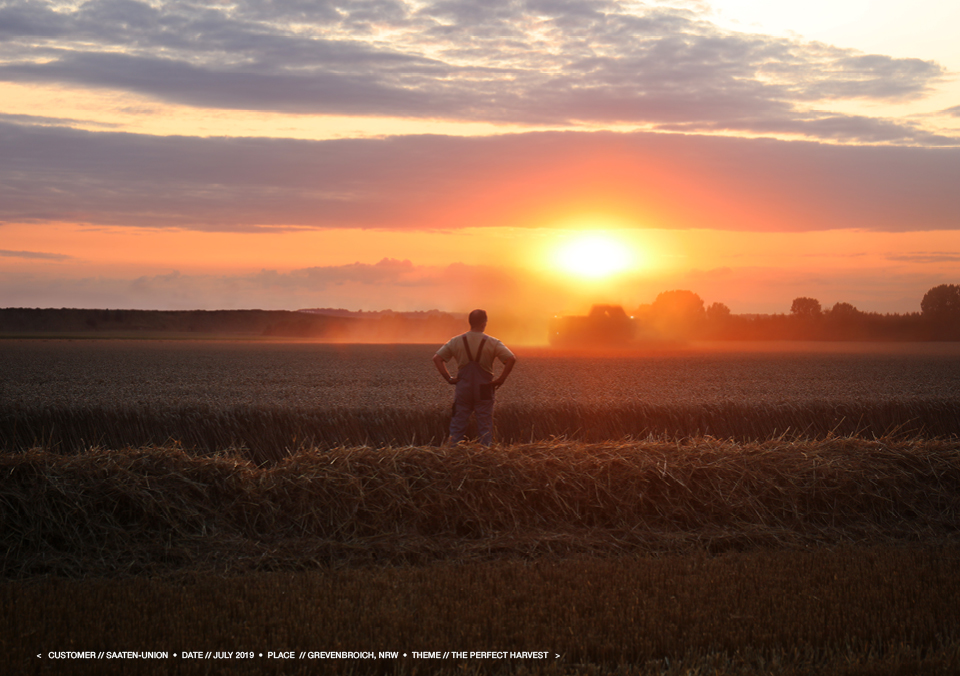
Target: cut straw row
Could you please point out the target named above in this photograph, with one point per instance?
(164, 507)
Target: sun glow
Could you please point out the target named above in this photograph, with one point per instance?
(594, 256)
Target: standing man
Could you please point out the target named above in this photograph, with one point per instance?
(474, 352)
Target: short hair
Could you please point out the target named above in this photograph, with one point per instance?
(478, 318)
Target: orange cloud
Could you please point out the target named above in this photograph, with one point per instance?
(446, 183)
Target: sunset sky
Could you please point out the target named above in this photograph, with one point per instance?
(532, 156)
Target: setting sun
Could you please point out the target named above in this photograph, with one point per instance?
(594, 256)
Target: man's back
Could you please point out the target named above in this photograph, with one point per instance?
(475, 353)
(492, 349)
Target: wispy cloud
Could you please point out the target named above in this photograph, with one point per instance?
(527, 62)
(397, 285)
(52, 121)
(926, 257)
(34, 255)
(444, 183)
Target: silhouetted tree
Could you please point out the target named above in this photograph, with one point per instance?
(845, 322)
(805, 307)
(942, 304)
(680, 304)
(718, 312)
(719, 321)
(678, 312)
(844, 311)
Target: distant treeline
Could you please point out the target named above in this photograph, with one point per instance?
(681, 315)
(843, 323)
(383, 327)
(674, 316)
(939, 319)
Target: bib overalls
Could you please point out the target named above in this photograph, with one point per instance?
(474, 394)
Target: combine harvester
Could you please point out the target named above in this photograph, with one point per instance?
(607, 326)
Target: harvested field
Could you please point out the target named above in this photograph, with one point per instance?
(142, 511)
(835, 556)
(875, 611)
(273, 399)
(157, 374)
(684, 512)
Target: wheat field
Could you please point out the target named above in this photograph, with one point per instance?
(685, 512)
(273, 399)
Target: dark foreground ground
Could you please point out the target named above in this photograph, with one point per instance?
(833, 556)
(175, 507)
(848, 610)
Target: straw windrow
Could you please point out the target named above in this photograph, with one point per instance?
(158, 508)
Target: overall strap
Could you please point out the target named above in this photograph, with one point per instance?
(466, 346)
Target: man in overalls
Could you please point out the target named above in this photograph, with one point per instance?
(475, 352)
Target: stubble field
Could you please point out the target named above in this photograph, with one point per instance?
(613, 524)
(271, 399)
